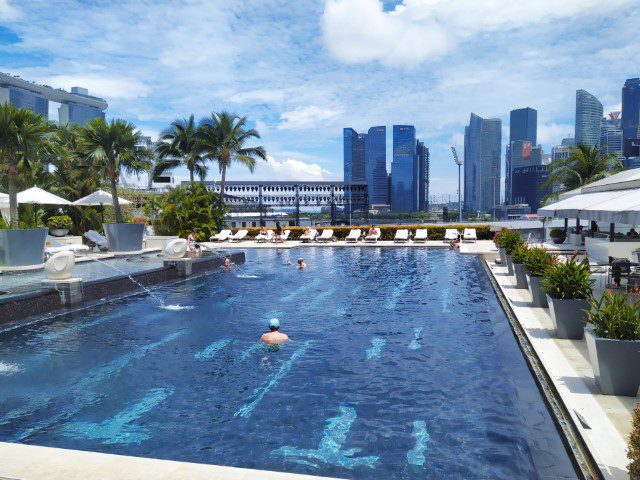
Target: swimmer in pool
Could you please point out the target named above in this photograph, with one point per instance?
(274, 337)
(300, 265)
(227, 261)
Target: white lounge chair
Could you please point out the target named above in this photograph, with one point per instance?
(420, 235)
(354, 235)
(311, 236)
(469, 235)
(99, 240)
(51, 246)
(283, 238)
(373, 238)
(451, 234)
(221, 236)
(325, 236)
(266, 237)
(402, 235)
(239, 235)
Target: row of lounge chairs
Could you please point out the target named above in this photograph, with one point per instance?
(402, 235)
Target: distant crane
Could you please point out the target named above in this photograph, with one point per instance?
(459, 163)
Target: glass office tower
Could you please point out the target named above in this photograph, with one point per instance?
(422, 157)
(22, 98)
(630, 113)
(376, 165)
(523, 127)
(588, 119)
(403, 169)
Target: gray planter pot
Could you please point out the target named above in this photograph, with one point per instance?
(568, 316)
(58, 232)
(538, 297)
(509, 264)
(503, 256)
(637, 256)
(614, 364)
(22, 248)
(521, 276)
(124, 237)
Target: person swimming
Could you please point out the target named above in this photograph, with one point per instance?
(301, 264)
(274, 337)
(227, 261)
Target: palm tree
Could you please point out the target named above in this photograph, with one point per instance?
(222, 139)
(584, 165)
(23, 137)
(112, 148)
(179, 144)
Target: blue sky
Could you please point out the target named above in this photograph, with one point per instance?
(303, 70)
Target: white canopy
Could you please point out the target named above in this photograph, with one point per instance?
(624, 180)
(577, 205)
(99, 197)
(618, 209)
(41, 197)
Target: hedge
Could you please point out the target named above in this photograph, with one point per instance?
(388, 232)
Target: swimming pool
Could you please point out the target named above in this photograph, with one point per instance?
(402, 365)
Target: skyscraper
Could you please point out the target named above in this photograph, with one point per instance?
(527, 186)
(630, 113)
(403, 169)
(482, 149)
(422, 156)
(354, 157)
(588, 118)
(523, 127)
(611, 135)
(376, 165)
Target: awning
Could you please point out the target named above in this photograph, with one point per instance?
(100, 197)
(35, 195)
(625, 180)
(620, 209)
(578, 205)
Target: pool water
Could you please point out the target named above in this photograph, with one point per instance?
(401, 366)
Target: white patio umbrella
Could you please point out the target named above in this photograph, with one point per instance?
(99, 197)
(38, 196)
(4, 206)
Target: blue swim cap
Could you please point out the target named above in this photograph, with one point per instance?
(274, 322)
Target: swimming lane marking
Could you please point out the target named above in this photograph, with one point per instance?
(376, 348)
(303, 289)
(397, 292)
(415, 344)
(415, 456)
(446, 300)
(118, 429)
(212, 350)
(329, 449)
(249, 351)
(259, 393)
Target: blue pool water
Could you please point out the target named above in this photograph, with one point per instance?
(401, 366)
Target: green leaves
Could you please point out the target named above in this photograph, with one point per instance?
(615, 317)
(60, 221)
(568, 280)
(520, 252)
(509, 240)
(536, 261)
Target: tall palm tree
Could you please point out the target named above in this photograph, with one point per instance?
(23, 137)
(177, 145)
(584, 165)
(222, 139)
(112, 148)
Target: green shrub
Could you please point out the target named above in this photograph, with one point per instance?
(557, 233)
(509, 240)
(62, 222)
(633, 452)
(519, 253)
(536, 261)
(568, 280)
(187, 209)
(613, 316)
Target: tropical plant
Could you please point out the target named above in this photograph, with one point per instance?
(536, 261)
(187, 209)
(633, 452)
(112, 148)
(568, 280)
(62, 222)
(23, 136)
(519, 253)
(509, 240)
(177, 145)
(584, 165)
(557, 233)
(222, 139)
(613, 316)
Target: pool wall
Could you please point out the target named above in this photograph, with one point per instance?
(19, 307)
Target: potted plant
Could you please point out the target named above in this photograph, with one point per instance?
(59, 225)
(510, 239)
(633, 452)
(21, 131)
(496, 241)
(518, 256)
(637, 252)
(558, 235)
(112, 148)
(568, 286)
(536, 261)
(613, 342)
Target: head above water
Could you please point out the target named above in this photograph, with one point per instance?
(300, 261)
(274, 324)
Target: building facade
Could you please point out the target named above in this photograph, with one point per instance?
(523, 128)
(422, 156)
(630, 114)
(588, 119)
(482, 152)
(376, 165)
(611, 135)
(527, 186)
(403, 169)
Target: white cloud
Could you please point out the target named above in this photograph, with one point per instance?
(306, 117)
(8, 11)
(550, 134)
(101, 86)
(258, 96)
(286, 169)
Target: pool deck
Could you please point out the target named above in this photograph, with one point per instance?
(603, 421)
(29, 462)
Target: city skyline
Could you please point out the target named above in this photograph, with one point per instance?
(301, 84)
